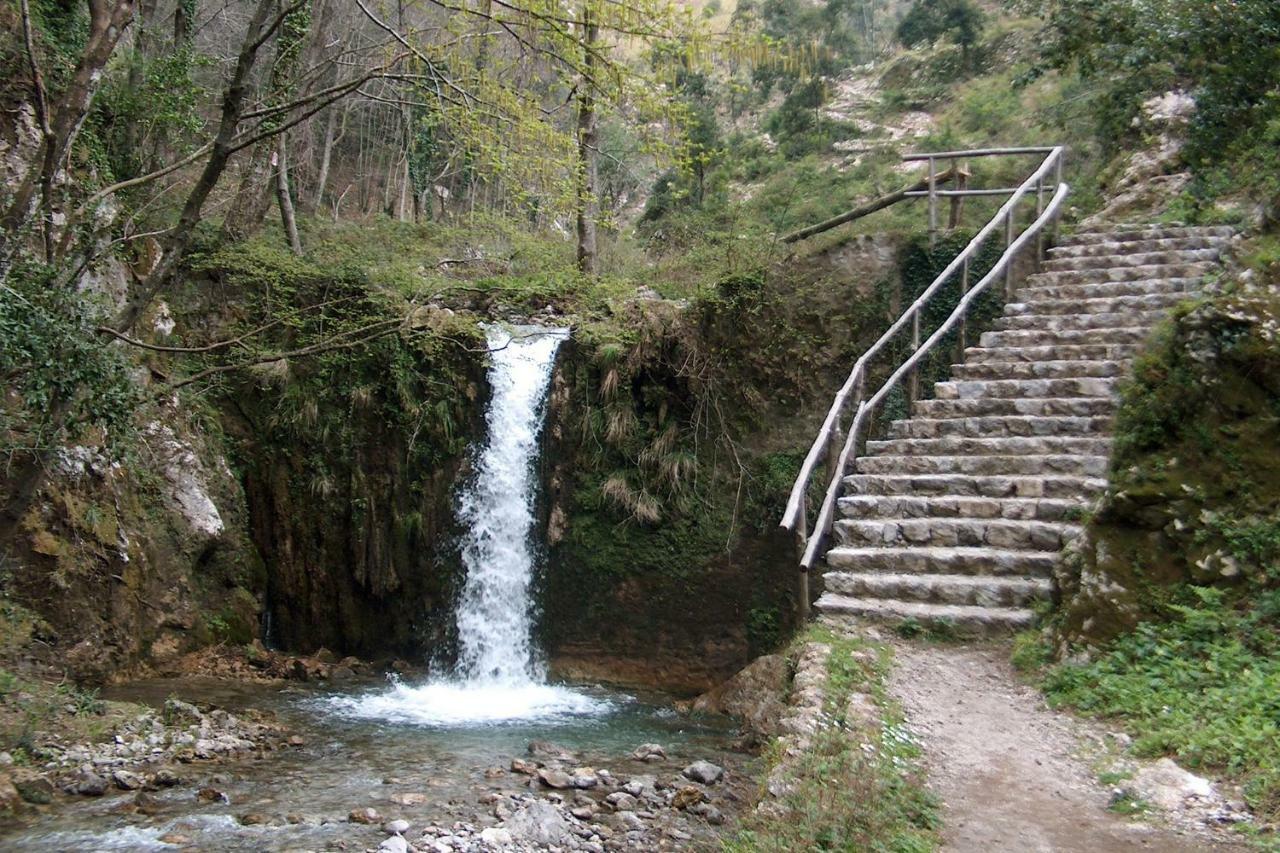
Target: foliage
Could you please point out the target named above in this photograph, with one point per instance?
(1203, 686)
(50, 358)
(1225, 54)
(930, 20)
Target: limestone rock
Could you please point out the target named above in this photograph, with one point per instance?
(538, 822)
(755, 695)
(704, 772)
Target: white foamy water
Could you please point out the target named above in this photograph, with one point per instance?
(498, 676)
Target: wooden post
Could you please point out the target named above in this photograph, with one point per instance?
(1008, 241)
(957, 201)
(802, 542)
(1040, 233)
(933, 204)
(964, 288)
(834, 445)
(1057, 182)
(913, 386)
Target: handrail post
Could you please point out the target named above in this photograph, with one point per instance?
(1008, 241)
(802, 543)
(1040, 233)
(913, 387)
(964, 289)
(960, 177)
(1059, 156)
(933, 204)
(834, 444)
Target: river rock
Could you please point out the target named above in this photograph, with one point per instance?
(649, 752)
(177, 839)
(1167, 786)
(496, 836)
(622, 801)
(126, 781)
(629, 821)
(366, 815)
(399, 827)
(584, 777)
(10, 799)
(707, 812)
(538, 823)
(253, 819)
(32, 786)
(519, 765)
(687, 796)
(88, 784)
(547, 751)
(756, 695)
(212, 795)
(412, 798)
(704, 772)
(394, 844)
(557, 779)
(583, 812)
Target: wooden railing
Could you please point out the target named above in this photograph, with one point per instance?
(839, 448)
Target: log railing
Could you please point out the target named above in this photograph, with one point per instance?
(838, 447)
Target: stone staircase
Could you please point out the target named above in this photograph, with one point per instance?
(958, 517)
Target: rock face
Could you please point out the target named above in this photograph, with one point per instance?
(958, 519)
(1173, 497)
(756, 695)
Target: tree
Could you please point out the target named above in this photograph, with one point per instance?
(931, 20)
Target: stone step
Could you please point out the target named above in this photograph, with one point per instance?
(1150, 232)
(987, 562)
(1030, 464)
(988, 445)
(1103, 305)
(1118, 247)
(970, 485)
(1040, 407)
(1065, 352)
(940, 589)
(1044, 337)
(1010, 533)
(956, 619)
(1070, 369)
(1111, 289)
(1075, 322)
(962, 506)
(1132, 258)
(1048, 279)
(1085, 386)
(989, 427)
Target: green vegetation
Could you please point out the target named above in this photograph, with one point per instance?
(1203, 686)
(858, 787)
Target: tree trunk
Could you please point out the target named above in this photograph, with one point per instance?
(588, 171)
(326, 153)
(287, 219)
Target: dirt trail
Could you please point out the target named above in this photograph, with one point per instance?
(1006, 766)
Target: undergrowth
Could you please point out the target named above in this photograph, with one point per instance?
(855, 788)
(1203, 686)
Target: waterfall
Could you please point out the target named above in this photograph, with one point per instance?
(497, 677)
(495, 611)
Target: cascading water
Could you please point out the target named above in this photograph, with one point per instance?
(497, 677)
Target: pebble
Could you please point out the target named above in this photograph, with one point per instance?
(365, 815)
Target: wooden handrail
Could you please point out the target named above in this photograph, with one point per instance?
(918, 188)
(809, 543)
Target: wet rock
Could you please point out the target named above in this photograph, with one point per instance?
(212, 795)
(367, 815)
(32, 786)
(538, 823)
(584, 778)
(649, 752)
(177, 839)
(557, 779)
(297, 740)
(629, 821)
(582, 812)
(547, 751)
(126, 780)
(494, 773)
(88, 785)
(253, 819)
(519, 765)
(412, 798)
(704, 772)
(178, 712)
(144, 803)
(756, 695)
(622, 801)
(687, 796)
(399, 827)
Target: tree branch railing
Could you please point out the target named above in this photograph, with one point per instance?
(839, 448)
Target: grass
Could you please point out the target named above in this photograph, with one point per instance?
(854, 789)
(1203, 687)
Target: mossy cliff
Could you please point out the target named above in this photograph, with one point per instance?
(1194, 498)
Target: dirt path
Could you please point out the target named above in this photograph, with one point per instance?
(1006, 766)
